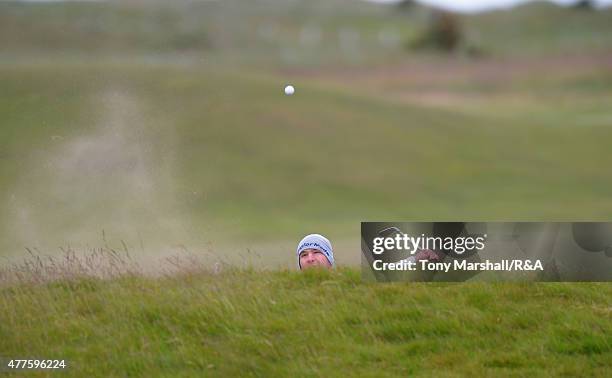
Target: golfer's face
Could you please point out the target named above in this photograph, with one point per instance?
(313, 258)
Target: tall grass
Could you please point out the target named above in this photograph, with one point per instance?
(247, 322)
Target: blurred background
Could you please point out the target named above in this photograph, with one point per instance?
(162, 127)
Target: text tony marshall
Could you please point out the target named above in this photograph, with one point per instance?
(487, 265)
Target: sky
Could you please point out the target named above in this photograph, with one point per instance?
(481, 5)
(466, 6)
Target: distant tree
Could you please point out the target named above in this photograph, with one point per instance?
(443, 32)
(405, 5)
(584, 4)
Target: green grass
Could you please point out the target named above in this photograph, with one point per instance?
(165, 126)
(540, 28)
(109, 123)
(283, 323)
(269, 33)
(186, 155)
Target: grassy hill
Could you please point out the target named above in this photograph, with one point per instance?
(63, 63)
(281, 323)
(184, 155)
(287, 33)
(540, 28)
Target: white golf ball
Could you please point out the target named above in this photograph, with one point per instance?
(289, 90)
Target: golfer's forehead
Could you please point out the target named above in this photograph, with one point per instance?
(309, 250)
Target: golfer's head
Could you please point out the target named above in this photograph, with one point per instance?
(315, 250)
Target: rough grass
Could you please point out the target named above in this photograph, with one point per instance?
(245, 322)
